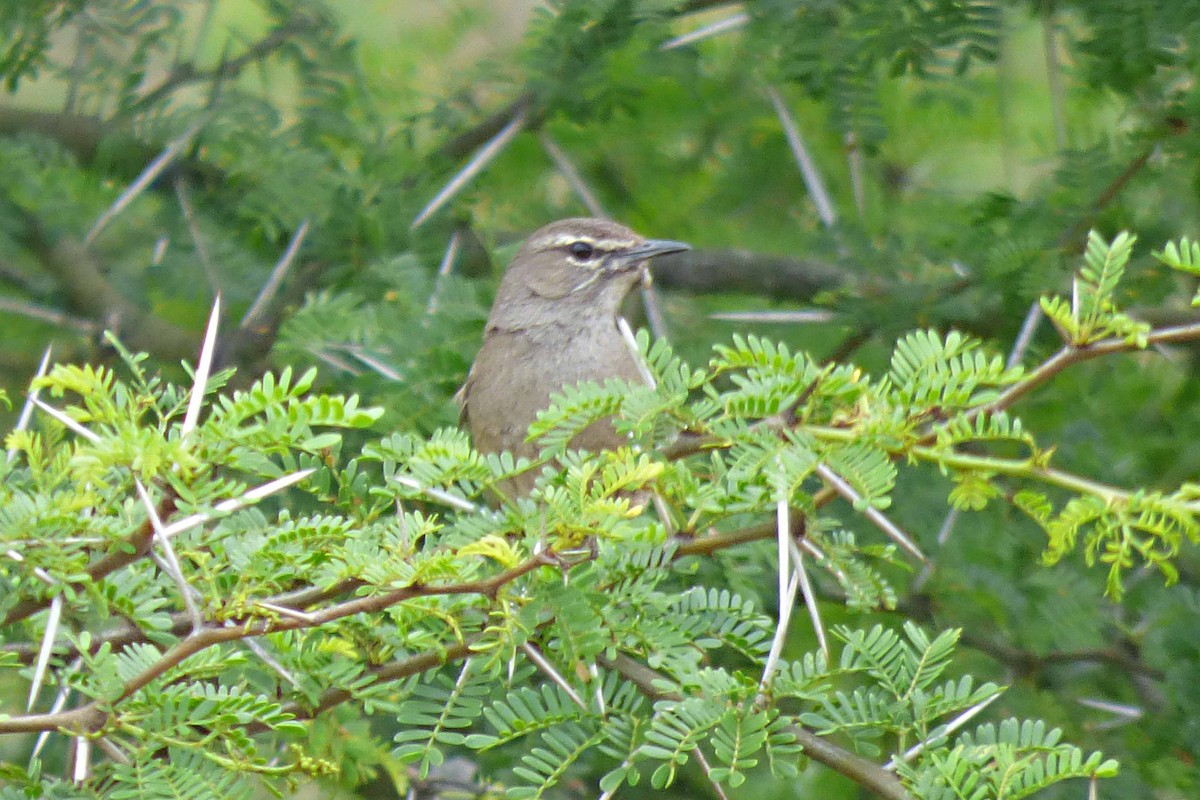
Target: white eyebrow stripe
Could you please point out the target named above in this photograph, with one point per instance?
(606, 245)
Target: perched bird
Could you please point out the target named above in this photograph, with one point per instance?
(554, 323)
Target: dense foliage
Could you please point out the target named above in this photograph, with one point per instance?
(970, 468)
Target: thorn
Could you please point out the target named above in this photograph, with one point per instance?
(275, 280)
(731, 23)
(203, 367)
(483, 156)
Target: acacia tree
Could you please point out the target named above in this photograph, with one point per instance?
(214, 578)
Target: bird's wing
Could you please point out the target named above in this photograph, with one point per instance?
(460, 400)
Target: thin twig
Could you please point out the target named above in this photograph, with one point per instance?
(486, 128)
(86, 284)
(706, 545)
(285, 604)
(1071, 354)
(1072, 239)
(92, 715)
(1024, 338)
(1018, 467)
(185, 74)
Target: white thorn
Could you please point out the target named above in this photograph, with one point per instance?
(203, 367)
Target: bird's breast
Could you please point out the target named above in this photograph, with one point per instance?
(516, 372)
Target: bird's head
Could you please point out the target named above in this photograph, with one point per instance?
(581, 263)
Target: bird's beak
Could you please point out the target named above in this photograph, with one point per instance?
(649, 249)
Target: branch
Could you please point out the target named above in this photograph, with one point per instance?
(80, 134)
(694, 546)
(1072, 354)
(384, 673)
(133, 548)
(1122, 653)
(84, 327)
(1028, 662)
(82, 279)
(696, 6)
(306, 597)
(187, 73)
(865, 773)
(1074, 237)
(92, 716)
(297, 600)
(468, 141)
(731, 270)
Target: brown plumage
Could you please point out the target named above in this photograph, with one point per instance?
(554, 323)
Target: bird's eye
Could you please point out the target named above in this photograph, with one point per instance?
(581, 251)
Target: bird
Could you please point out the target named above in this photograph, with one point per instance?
(552, 324)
